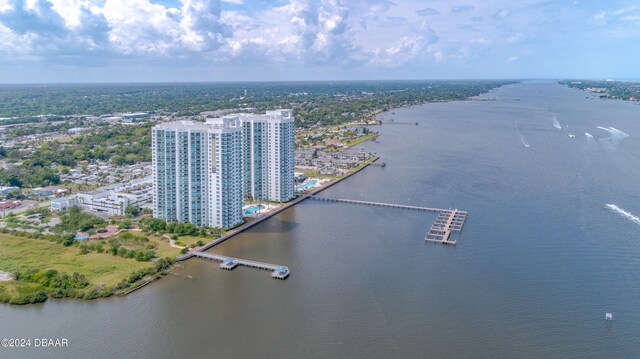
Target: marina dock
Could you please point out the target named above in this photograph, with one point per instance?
(448, 220)
(278, 271)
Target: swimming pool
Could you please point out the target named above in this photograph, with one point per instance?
(253, 210)
(307, 185)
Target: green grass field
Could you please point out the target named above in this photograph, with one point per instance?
(20, 254)
(164, 249)
(358, 140)
(188, 240)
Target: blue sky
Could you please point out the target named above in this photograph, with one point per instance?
(245, 40)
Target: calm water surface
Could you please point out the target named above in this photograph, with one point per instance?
(538, 264)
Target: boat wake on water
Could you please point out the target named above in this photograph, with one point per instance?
(524, 141)
(615, 133)
(556, 124)
(620, 211)
(616, 137)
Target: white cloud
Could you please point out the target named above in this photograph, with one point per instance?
(427, 12)
(480, 40)
(407, 49)
(14, 43)
(517, 37)
(5, 5)
(603, 17)
(70, 11)
(624, 10)
(462, 8)
(139, 26)
(502, 14)
(438, 57)
(201, 25)
(300, 31)
(513, 58)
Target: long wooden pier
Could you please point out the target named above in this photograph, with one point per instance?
(399, 123)
(280, 272)
(448, 220)
(380, 204)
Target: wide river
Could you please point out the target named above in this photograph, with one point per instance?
(540, 261)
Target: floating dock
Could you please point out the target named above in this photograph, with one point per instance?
(228, 263)
(448, 220)
(278, 271)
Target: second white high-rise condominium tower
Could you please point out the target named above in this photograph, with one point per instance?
(225, 171)
(268, 164)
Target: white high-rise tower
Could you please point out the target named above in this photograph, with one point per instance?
(225, 171)
(268, 159)
(197, 172)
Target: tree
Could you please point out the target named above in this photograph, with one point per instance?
(131, 211)
(16, 194)
(124, 224)
(68, 239)
(84, 248)
(118, 160)
(122, 252)
(75, 219)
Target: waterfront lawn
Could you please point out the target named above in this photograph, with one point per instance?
(358, 140)
(163, 249)
(189, 240)
(22, 254)
(365, 163)
(317, 174)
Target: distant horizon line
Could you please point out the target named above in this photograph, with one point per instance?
(307, 81)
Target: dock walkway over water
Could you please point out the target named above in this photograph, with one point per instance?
(279, 272)
(448, 220)
(381, 204)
